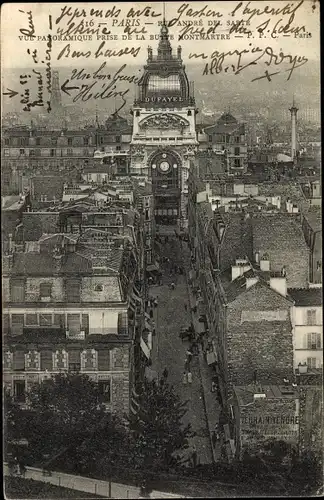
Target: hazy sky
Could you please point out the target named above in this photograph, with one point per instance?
(14, 50)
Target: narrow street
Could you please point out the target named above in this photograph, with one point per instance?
(169, 351)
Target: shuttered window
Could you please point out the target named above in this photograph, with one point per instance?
(103, 360)
(5, 323)
(31, 320)
(72, 289)
(46, 360)
(104, 387)
(90, 360)
(311, 317)
(123, 323)
(45, 289)
(17, 324)
(19, 360)
(17, 290)
(311, 363)
(85, 323)
(312, 341)
(74, 360)
(73, 324)
(45, 320)
(59, 320)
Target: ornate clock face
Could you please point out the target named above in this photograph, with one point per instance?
(164, 166)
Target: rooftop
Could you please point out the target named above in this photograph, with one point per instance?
(304, 297)
(314, 218)
(245, 394)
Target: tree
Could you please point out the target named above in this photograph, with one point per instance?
(158, 430)
(65, 413)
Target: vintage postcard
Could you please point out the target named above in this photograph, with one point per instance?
(161, 249)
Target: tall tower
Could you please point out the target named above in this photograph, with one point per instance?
(164, 132)
(293, 111)
(56, 99)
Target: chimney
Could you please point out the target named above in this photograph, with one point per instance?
(265, 263)
(279, 284)
(239, 269)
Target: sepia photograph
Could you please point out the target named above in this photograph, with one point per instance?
(161, 230)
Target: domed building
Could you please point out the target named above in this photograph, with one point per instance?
(164, 132)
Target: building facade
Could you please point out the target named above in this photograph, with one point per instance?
(164, 133)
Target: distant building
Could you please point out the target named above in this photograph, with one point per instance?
(307, 321)
(312, 229)
(226, 138)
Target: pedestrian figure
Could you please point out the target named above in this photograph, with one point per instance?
(151, 313)
(194, 456)
(172, 285)
(150, 280)
(155, 303)
(189, 378)
(184, 378)
(213, 386)
(189, 355)
(165, 373)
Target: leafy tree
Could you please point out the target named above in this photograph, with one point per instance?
(65, 414)
(158, 430)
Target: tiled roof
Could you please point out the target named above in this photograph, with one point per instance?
(29, 264)
(49, 185)
(245, 394)
(306, 296)
(314, 218)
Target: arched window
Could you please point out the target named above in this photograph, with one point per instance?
(158, 83)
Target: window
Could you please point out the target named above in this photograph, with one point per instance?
(99, 288)
(31, 152)
(237, 139)
(38, 141)
(86, 153)
(45, 290)
(69, 141)
(210, 138)
(54, 141)
(70, 152)
(85, 323)
(171, 82)
(7, 142)
(59, 320)
(318, 265)
(7, 152)
(118, 148)
(189, 112)
(19, 361)
(137, 113)
(72, 289)
(45, 320)
(313, 340)
(103, 360)
(53, 152)
(311, 317)
(237, 163)
(21, 152)
(101, 140)
(118, 138)
(17, 290)
(73, 324)
(311, 363)
(46, 358)
(86, 141)
(20, 391)
(237, 151)
(37, 152)
(104, 387)
(74, 360)
(31, 320)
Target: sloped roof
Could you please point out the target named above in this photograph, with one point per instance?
(304, 297)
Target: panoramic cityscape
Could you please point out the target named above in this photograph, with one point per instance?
(161, 276)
